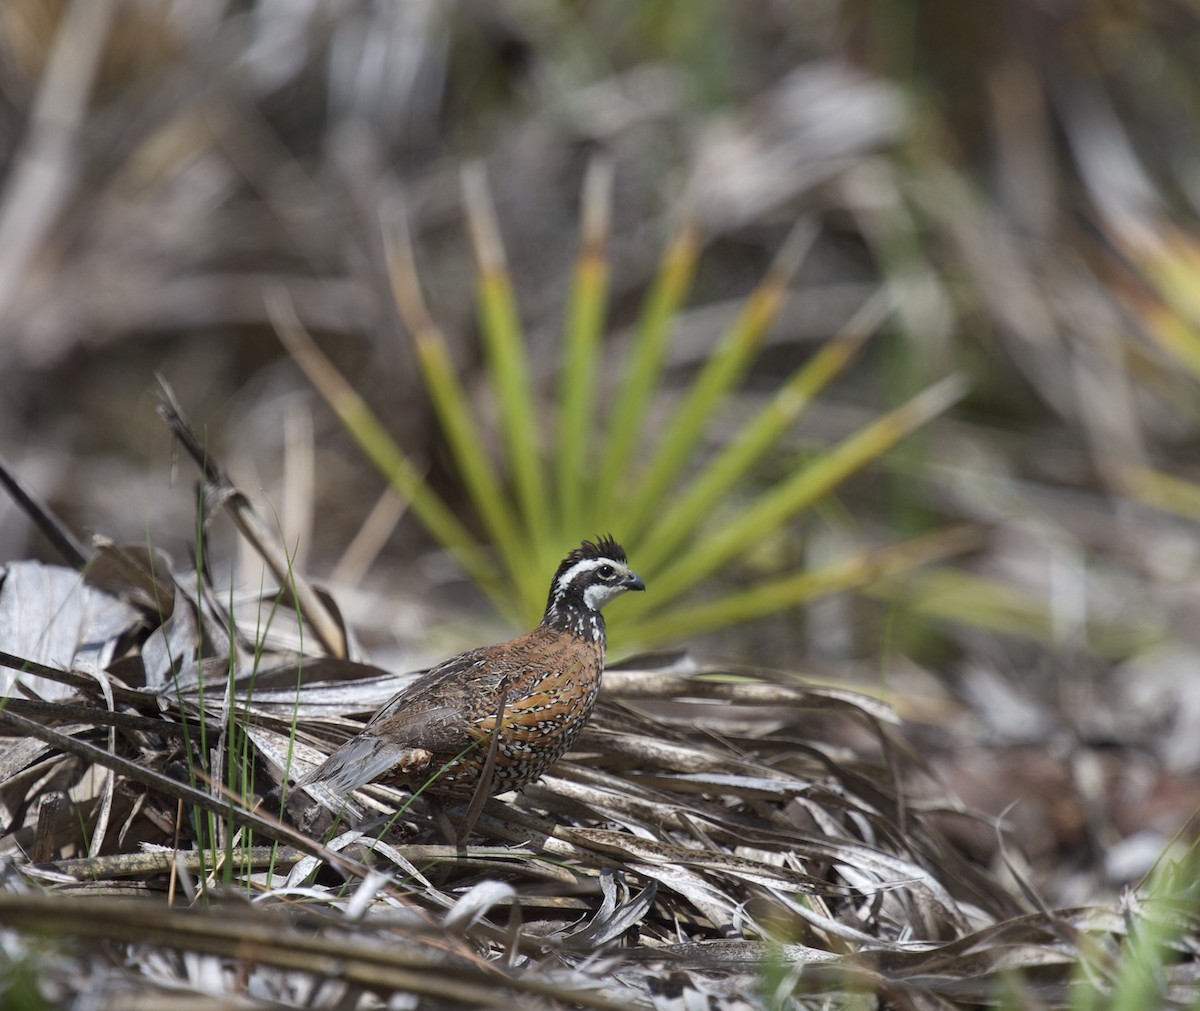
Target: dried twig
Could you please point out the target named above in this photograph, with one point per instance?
(327, 628)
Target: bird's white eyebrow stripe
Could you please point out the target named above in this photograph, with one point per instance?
(573, 573)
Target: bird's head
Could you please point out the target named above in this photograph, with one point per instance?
(587, 579)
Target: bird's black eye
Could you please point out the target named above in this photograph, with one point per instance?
(606, 571)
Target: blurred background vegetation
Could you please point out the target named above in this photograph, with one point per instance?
(1021, 180)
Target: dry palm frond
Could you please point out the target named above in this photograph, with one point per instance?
(736, 829)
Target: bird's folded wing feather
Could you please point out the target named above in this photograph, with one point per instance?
(428, 686)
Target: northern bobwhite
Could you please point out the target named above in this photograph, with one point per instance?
(438, 730)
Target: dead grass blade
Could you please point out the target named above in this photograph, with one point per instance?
(220, 489)
(67, 744)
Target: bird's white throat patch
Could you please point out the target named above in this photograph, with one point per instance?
(597, 595)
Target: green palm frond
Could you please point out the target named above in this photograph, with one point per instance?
(556, 483)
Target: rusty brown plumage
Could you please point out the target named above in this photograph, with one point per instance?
(438, 731)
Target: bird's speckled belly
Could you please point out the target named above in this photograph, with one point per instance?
(541, 721)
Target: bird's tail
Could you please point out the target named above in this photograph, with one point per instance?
(354, 764)
(363, 759)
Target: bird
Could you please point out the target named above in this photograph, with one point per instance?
(532, 694)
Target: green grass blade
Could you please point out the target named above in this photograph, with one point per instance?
(1170, 310)
(382, 451)
(777, 594)
(963, 598)
(1177, 336)
(504, 347)
(947, 595)
(810, 483)
(454, 413)
(723, 369)
(691, 507)
(1160, 927)
(585, 320)
(627, 416)
(1164, 491)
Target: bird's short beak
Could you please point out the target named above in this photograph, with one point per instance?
(634, 582)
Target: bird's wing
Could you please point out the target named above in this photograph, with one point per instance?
(427, 690)
(404, 734)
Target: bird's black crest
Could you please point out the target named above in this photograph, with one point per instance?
(601, 547)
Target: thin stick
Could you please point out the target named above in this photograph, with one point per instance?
(54, 529)
(327, 628)
(483, 787)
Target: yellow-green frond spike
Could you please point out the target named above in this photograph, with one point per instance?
(774, 595)
(584, 324)
(1174, 333)
(820, 476)
(947, 595)
(627, 416)
(504, 347)
(1164, 491)
(453, 409)
(382, 450)
(724, 367)
(681, 519)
